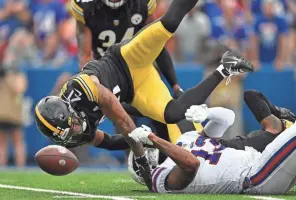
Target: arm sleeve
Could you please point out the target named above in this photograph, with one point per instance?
(220, 119)
(77, 11)
(166, 66)
(114, 142)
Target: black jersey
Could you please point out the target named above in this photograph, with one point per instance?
(109, 26)
(81, 91)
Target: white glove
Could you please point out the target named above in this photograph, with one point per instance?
(141, 134)
(197, 114)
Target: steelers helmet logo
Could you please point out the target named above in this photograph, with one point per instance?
(136, 19)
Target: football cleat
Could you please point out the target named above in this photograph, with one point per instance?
(144, 170)
(284, 113)
(234, 64)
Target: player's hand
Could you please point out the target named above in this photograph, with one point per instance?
(141, 134)
(197, 114)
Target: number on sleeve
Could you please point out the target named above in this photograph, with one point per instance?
(212, 158)
(75, 95)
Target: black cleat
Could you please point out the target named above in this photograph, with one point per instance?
(145, 171)
(284, 113)
(235, 64)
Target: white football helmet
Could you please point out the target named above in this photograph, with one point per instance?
(114, 4)
(152, 155)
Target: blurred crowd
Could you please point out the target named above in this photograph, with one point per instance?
(41, 33)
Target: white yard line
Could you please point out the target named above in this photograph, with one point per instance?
(84, 197)
(264, 198)
(75, 194)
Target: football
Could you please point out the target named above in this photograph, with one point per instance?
(56, 160)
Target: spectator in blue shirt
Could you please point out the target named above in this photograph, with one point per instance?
(48, 17)
(270, 37)
(281, 7)
(14, 15)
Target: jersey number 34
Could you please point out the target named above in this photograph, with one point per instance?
(108, 38)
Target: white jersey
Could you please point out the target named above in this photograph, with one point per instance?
(222, 170)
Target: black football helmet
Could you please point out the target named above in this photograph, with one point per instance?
(57, 119)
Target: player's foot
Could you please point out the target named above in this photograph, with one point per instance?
(234, 64)
(284, 113)
(144, 169)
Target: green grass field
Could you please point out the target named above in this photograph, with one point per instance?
(92, 185)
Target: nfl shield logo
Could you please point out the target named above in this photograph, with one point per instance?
(116, 22)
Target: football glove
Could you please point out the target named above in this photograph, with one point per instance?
(141, 134)
(197, 114)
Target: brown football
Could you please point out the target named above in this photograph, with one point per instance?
(56, 160)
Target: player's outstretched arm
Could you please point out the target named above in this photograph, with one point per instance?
(187, 164)
(110, 142)
(83, 35)
(112, 108)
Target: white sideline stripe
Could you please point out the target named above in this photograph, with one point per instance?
(264, 198)
(71, 197)
(63, 192)
(84, 197)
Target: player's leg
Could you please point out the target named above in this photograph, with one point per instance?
(3, 148)
(19, 147)
(275, 170)
(231, 64)
(143, 49)
(253, 96)
(265, 112)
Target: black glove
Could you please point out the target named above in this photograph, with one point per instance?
(144, 169)
(178, 93)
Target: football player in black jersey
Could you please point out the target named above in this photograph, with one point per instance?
(126, 74)
(102, 23)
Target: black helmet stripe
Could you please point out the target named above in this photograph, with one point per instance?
(46, 123)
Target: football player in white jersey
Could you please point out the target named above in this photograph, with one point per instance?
(200, 164)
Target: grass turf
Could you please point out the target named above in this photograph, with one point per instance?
(108, 183)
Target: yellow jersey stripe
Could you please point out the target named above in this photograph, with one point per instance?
(76, 7)
(87, 88)
(91, 85)
(84, 88)
(151, 6)
(46, 123)
(77, 12)
(64, 88)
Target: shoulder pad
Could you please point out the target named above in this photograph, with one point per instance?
(82, 86)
